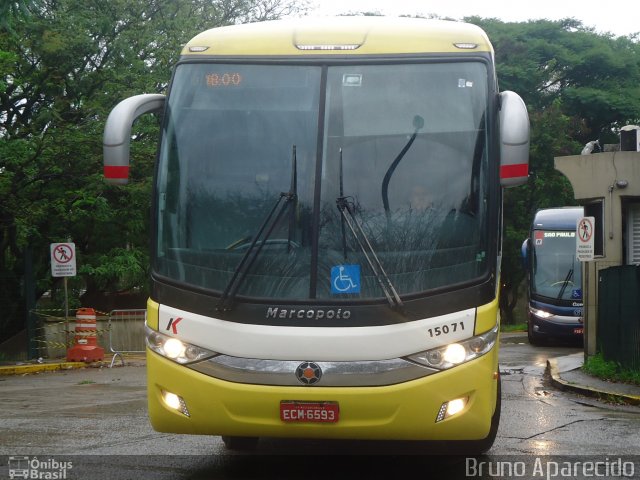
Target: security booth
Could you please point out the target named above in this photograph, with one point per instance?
(607, 185)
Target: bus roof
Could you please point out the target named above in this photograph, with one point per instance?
(363, 35)
(561, 218)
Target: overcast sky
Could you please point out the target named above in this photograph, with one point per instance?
(618, 17)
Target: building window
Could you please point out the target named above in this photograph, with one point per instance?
(633, 234)
(595, 210)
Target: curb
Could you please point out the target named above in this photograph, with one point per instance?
(128, 360)
(47, 367)
(557, 381)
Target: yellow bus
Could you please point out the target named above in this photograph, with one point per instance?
(327, 231)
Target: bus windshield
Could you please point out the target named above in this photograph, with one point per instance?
(403, 145)
(556, 272)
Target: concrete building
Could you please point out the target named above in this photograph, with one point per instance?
(608, 186)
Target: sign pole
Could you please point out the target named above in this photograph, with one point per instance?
(585, 251)
(585, 314)
(66, 311)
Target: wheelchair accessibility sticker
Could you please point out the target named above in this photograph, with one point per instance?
(345, 279)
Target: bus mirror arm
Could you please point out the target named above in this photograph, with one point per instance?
(117, 134)
(524, 251)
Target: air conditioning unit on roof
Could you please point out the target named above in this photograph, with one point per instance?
(630, 138)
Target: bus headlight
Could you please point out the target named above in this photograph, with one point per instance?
(540, 313)
(174, 348)
(453, 354)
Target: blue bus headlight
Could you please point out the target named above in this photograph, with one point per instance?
(448, 356)
(540, 313)
(174, 348)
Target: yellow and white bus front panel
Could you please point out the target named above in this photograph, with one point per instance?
(431, 379)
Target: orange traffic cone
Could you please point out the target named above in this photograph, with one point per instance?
(85, 348)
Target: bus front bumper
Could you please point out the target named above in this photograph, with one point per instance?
(405, 411)
(548, 328)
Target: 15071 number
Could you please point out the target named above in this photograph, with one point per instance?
(445, 329)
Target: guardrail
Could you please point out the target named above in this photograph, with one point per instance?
(122, 331)
(126, 340)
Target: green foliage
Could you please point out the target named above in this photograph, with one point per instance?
(519, 327)
(596, 365)
(578, 86)
(64, 64)
(121, 267)
(10, 9)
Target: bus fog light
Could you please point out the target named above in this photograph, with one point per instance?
(450, 408)
(456, 406)
(175, 402)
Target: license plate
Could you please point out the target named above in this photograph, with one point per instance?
(292, 411)
(578, 331)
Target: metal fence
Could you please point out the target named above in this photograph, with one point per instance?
(126, 332)
(618, 332)
(119, 332)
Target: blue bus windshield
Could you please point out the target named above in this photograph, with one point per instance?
(556, 273)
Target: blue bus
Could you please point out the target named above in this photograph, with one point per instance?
(554, 276)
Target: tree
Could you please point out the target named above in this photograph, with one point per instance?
(10, 9)
(63, 66)
(578, 86)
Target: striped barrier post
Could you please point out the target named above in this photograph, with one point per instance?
(85, 348)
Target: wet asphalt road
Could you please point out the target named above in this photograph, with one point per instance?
(96, 419)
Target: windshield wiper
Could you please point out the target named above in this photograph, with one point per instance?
(418, 123)
(260, 239)
(344, 236)
(293, 190)
(346, 209)
(567, 279)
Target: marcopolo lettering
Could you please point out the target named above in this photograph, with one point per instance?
(309, 313)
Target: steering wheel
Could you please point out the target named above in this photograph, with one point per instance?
(568, 282)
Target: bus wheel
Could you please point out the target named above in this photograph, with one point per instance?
(240, 443)
(534, 339)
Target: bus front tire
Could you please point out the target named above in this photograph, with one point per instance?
(534, 339)
(240, 443)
